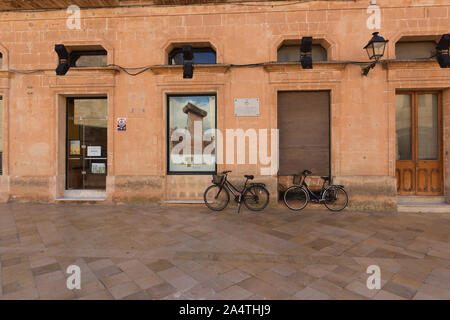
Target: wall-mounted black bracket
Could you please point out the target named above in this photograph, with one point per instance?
(365, 70)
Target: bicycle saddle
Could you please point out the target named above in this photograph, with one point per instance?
(225, 172)
(249, 177)
(325, 178)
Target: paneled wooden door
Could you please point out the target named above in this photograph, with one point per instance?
(419, 143)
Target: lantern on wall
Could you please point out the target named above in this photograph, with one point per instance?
(375, 50)
(376, 46)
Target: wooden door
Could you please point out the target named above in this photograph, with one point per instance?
(419, 143)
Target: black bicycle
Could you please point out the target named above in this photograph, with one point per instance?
(217, 196)
(334, 197)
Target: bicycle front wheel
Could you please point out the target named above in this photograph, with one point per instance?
(336, 199)
(216, 198)
(256, 198)
(296, 198)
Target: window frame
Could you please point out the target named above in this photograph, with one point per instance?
(412, 42)
(77, 54)
(69, 100)
(178, 50)
(297, 46)
(168, 171)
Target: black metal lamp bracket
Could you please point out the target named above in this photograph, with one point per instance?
(365, 70)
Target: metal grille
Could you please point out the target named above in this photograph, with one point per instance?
(304, 124)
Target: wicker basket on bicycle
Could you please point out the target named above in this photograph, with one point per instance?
(297, 179)
(314, 182)
(218, 178)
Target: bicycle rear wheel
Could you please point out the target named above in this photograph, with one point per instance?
(256, 198)
(296, 198)
(216, 198)
(336, 198)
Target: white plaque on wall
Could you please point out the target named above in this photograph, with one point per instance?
(246, 107)
(94, 151)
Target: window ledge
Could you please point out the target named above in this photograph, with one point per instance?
(407, 60)
(168, 68)
(329, 64)
(416, 63)
(79, 69)
(84, 71)
(5, 73)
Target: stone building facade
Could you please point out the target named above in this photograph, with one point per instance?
(246, 39)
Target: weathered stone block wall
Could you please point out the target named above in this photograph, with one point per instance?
(137, 189)
(362, 108)
(30, 188)
(370, 193)
(446, 149)
(186, 187)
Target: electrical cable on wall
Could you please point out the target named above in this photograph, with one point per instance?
(126, 70)
(129, 70)
(27, 71)
(135, 71)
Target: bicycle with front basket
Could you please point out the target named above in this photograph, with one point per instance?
(296, 197)
(255, 196)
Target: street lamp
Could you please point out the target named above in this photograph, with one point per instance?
(375, 47)
(375, 50)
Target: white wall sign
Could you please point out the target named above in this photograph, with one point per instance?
(247, 107)
(94, 151)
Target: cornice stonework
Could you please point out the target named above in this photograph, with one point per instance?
(12, 5)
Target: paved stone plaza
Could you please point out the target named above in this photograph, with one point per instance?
(143, 252)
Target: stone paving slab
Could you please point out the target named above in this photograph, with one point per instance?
(149, 252)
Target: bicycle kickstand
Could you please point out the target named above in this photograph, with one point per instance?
(239, 204)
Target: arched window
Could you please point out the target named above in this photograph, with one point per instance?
(87, 56)
(93, 58)
(202, 55)
(408, 49)
(291, 53)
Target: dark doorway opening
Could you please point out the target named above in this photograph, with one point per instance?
(86, 143)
